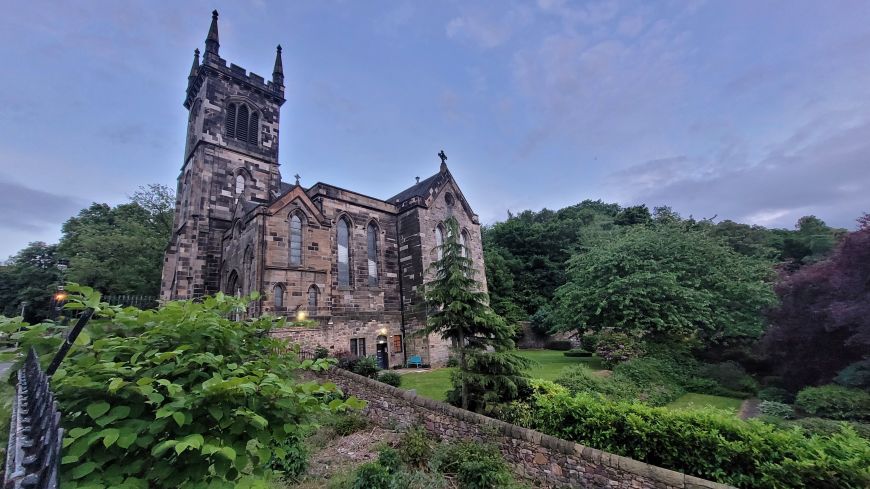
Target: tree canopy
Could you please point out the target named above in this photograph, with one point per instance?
(665, 282)
(823, 321)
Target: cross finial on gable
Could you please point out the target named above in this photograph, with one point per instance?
(443, 157)
(297, 177)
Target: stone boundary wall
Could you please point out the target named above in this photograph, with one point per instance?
(534, 456)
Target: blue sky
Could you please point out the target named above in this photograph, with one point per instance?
(755, 111)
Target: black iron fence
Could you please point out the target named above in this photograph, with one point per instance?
(137, 301)
(35, 435)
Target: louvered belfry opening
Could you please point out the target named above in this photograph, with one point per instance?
(231, 120)
(243, 124)
(253, 128)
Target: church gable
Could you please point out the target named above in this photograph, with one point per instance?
(297, 198)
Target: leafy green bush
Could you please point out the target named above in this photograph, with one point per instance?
(348, 424)
(578, 353)
(475, 465)
(708, 443)
(615, 348)
(834, 401)
(181, 397)
(856, 375)
(777, 409)
(589, 342)
(730, 375)
(415, 447)
(775, 394)
(391, 378)
(581, 378)
(346, 360)
(372, 475)
(655, 381)
(561, 345)
(418, 479)
(389, 458)
(321, 352)
(452, 361)
(827, 427)
(367, 367)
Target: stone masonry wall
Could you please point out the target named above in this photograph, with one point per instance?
(533, 455)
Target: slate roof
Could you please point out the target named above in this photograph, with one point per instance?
(417, 190)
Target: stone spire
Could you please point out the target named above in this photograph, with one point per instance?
(211, 41)
(194, 69)
(278, 71)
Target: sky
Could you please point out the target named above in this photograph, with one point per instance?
(756, 111)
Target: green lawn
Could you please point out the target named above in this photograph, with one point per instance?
(691, 401)
(434, 384)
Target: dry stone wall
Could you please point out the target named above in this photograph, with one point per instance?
(534, 456)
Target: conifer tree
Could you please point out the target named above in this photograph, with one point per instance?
(488, 372)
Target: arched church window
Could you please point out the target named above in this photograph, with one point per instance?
(240, 184)
(439, 241)
(233, 286)
(343, 235)
(295, 240)
(463, 242)
(372, 238)
(313, 292)
(278, 294)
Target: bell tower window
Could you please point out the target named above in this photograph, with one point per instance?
(243, 124)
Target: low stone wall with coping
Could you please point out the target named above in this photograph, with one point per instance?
(534, 456)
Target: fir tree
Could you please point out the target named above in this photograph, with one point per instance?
(489, 372)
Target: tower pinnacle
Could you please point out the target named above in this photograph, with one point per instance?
(211, 41)
(278, 71)
(195, 67)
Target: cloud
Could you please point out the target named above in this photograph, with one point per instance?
(28, 209)
(821, 168)
(485, 30)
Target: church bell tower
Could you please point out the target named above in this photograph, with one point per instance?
(230, 160)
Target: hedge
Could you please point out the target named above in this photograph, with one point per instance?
(708, 443)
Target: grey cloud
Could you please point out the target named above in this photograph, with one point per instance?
(828, 175)
(30, 209)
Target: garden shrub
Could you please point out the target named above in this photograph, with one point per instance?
(615, 348)
(589, 342)
(708, 443)
(776, 394)
(418, 479)
(655, 381)
(856, 375)
(562, 345)
(348, 424)
(581, 378)
(389, 458)
(776, 409)
(367, 367)
(415, 447)
(827, 427)
(475, 465)
(835, 402)
(346, 360)
(578, 353)
(182, 396)
(452, 361)
(390, 378)
(321, 352)
(372, 475)
(730, 375)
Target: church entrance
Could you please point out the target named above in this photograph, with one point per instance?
(381, 349)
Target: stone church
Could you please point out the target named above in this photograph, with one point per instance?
(353, 264)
